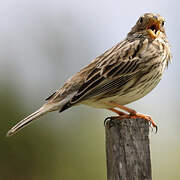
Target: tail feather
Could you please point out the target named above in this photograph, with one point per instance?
(43, 110)
(48, 107)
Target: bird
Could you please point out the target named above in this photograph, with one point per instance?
(123, 74)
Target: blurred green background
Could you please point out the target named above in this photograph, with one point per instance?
(42, 43)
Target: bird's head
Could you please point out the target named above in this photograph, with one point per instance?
(149, 24)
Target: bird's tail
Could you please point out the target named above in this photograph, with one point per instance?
(43, 110)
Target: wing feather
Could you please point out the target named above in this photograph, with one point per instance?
(104, 75)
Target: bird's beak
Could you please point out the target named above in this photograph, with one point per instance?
(153, 28)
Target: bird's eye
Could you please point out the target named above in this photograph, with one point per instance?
(162, 23)
(141, 20)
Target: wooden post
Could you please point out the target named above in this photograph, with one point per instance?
(127, 149)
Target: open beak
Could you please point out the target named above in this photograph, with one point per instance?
(153, 28)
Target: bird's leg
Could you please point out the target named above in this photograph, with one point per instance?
(129, 110)
(132, 113)
(120, 113)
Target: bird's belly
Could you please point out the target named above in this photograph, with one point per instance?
(124, 97)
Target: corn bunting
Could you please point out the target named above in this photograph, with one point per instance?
(123, 74)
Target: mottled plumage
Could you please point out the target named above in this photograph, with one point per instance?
(121, 75)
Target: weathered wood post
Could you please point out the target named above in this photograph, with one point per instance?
(127, 150)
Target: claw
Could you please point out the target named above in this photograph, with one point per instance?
(156, 129)
(108, 122)
(153, 126)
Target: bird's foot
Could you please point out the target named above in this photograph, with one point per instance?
(143, 116)
(108, 122)
(131, 114)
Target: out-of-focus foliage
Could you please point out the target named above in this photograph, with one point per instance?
(42, 44)
(40, 152)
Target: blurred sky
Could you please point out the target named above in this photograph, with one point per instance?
(43, 42)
